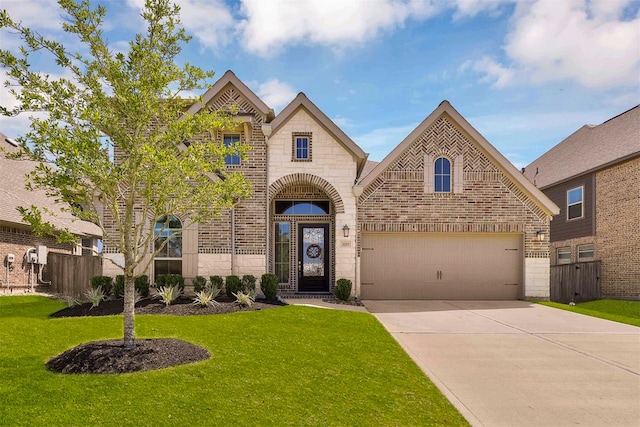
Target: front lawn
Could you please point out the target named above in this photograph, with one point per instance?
(617, 310)
(288, 366)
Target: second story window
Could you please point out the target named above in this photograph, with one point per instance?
(442, 175)
(230, 140)
(575, 203)
(301, 147)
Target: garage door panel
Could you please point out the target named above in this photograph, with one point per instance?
(441, 266)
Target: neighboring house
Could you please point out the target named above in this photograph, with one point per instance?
(443, 216)
(594, 176)
(18, 245)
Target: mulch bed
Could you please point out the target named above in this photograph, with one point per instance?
(183, 306)
(111, 357)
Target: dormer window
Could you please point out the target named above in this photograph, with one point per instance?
(301, 147)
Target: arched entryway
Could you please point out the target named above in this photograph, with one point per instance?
(302, 211)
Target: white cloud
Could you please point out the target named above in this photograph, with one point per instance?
(210, 21)
(471, 8)
(342, 122)
(592, 43)
(492, 71)
(269, 26)
(276, 94)
(41, 14)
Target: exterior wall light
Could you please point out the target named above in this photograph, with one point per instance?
(345, 230)
(540, 236)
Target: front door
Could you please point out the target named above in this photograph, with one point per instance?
(313, 258)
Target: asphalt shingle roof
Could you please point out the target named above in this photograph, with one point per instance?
(13, 194)
(588, 149)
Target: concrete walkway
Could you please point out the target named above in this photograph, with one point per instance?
(513, 363)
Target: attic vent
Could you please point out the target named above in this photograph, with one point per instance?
(11, 141)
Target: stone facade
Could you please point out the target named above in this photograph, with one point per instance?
(330, 176)
(617, 240)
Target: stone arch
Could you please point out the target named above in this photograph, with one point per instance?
(307, 178)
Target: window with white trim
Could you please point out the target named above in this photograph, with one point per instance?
(564, 255)
(585, 252)
(575, 203)
(230, 140)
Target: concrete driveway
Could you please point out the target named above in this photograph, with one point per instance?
(513, 363)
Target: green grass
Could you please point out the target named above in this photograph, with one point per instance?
(288, 366)
(617, 310)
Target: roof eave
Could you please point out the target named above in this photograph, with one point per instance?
(230, 78)
(302, 102)
(489, 150)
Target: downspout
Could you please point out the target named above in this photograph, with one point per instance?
(233, 239)
(266, 131)
(357, 192)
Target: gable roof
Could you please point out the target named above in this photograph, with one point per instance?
(13, 194)
(445, 108)
(302, 102)
(230, 78)
(588, 149)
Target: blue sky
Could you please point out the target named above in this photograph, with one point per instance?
(526, 74)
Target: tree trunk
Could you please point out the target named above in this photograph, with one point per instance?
(129, 311)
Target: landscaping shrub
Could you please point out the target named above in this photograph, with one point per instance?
(249, 284)
(206, 297)
(170, 280)
(94, 295)
(118, 287)
(243, 299)
(199, 284)
(342, 291)
(103, 282)
(217, 282)
(168, 293)
(269, 285)
(141, 285)
(232, 285)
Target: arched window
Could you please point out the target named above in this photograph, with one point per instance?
(168, 229)
(442, 175)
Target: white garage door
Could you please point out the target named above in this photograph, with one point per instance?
(441, 266)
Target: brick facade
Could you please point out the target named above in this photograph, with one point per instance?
(489, 202)
(485, 198)
(617, 240)
(486, 201)
(15, 240)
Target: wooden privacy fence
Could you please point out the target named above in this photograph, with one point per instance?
(71, 275)
(575, 282)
